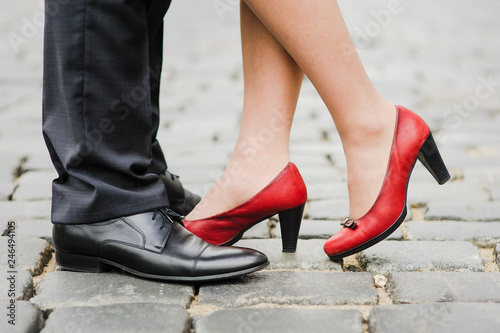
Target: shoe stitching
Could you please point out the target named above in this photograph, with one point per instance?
(133, 226)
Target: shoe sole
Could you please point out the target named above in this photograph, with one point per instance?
(99, 265)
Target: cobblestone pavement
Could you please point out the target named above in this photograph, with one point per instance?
(438, 273)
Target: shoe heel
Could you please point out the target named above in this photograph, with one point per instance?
(79, 263)
(290, 220)
(431, 158)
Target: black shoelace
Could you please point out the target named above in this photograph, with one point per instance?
(168, 215)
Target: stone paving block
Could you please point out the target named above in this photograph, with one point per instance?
(258, 231)
(496, 253)
(32, 253)
(198, 188)
(330, 149)
(26, 141)
(264, 320)
(337, 158)
(419, 287)
(317, 174)
(463, 211)
(392, 256)
(222, 137)
(311, 229)
(7, 173)
(206, 176)
(117, 318)
(182, 165)
(495, 192)
(306, 133)
(487, 150)
(35, 228)
(308, 159)
(291, 287)
(422, 192)
(480, 233)
(28, 318)
(328, 209)
(35, 185)
(65, 289)
(23, 284)
(3, 226)
(470, 162)
(327, 190)
(24, 210)
(397, 234)
(421, 175)
(481, 174)
(179, 134)
(473, 137)
(309, 254)
(435, 318)
(40, 161)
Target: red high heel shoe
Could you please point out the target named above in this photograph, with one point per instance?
(285, 195)
(412, 140)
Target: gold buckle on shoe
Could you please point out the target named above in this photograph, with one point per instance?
(348, 223)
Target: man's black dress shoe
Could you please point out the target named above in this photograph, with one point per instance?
(181, 200)
(152, 245)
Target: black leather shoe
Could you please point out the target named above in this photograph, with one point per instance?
(181, 200)
(152, 245)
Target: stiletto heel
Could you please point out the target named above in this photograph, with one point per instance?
(412, 140)
(285, 195)
(80, 263)
(431, 158)
(290, 220)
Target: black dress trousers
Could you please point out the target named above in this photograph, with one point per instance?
(102, 65)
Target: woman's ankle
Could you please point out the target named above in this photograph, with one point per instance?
(371, 129)
(367, 156)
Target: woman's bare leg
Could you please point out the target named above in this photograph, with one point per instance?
(315, 35)
(272, 84)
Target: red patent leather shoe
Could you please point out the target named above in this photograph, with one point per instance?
(412, 140)
(285, 195)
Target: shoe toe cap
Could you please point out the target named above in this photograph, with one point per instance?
(340, 242)
(227, 259)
